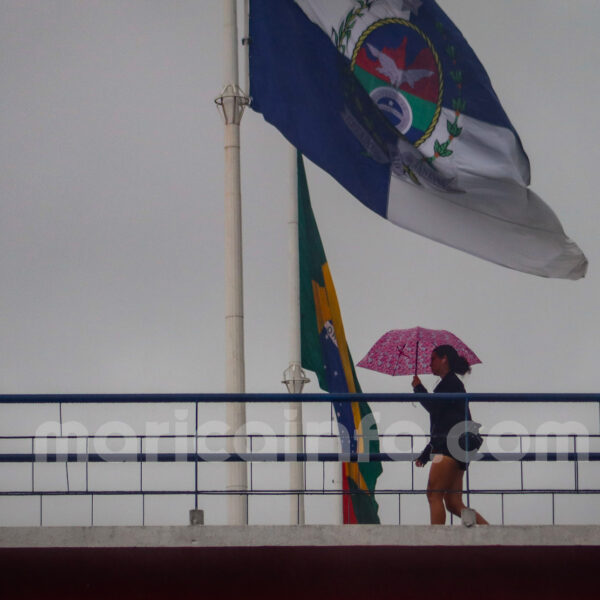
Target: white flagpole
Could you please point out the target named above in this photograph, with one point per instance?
(246, 44)
(294, 377)
(232, 102)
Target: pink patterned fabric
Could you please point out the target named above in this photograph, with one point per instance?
(408, 351)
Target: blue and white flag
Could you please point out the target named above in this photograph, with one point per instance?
(388, 97)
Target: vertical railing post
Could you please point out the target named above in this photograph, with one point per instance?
(412, 462)
(87, 463)
(141, 465)
(32, 464)
(323, 465)
(399, 508)
(576, 462)
(196, 460)
(60, 424)
(466, 450)
(521, 460)
(251, 438)
(304, 470)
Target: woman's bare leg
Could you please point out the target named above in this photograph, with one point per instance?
(453, 497)
(441, 480)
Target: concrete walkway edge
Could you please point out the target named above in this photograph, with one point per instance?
(207, 536)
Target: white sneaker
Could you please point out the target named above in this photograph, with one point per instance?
(468, 517)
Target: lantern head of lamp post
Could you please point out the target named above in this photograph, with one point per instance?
(294, 378)
(232, 103)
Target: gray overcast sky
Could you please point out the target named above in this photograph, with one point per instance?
(111, 208)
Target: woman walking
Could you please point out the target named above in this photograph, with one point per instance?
(445, 484)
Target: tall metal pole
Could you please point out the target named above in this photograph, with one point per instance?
(294, 377)
(246, 44)
(232, 102)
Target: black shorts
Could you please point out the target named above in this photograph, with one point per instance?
(441, 447)
(461, 465)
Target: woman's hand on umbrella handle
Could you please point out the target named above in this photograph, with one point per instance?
(416, 381)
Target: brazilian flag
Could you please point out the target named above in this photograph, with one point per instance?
(325, 351)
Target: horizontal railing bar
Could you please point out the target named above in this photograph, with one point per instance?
(311, 492)
(283, 398)
(224, 436)
(51, 457)
(202, 457)
(217, 436)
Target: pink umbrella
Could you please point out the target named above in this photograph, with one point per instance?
(408, 351)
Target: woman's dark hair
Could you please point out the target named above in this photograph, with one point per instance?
(457, 363)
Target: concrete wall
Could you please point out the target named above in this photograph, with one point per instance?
(292, 562)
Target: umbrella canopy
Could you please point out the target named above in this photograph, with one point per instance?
(408, 351)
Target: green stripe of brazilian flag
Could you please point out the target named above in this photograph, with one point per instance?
(312, 259)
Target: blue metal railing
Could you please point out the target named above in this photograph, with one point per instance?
(285, 397)
(89, 456)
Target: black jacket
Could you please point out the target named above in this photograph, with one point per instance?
(443, 414)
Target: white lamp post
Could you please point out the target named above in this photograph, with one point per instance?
(232, 102)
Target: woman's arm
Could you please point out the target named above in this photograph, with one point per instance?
(424, 456)
(419, 388)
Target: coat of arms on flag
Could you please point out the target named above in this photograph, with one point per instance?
(405, 80)
(413, 70)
